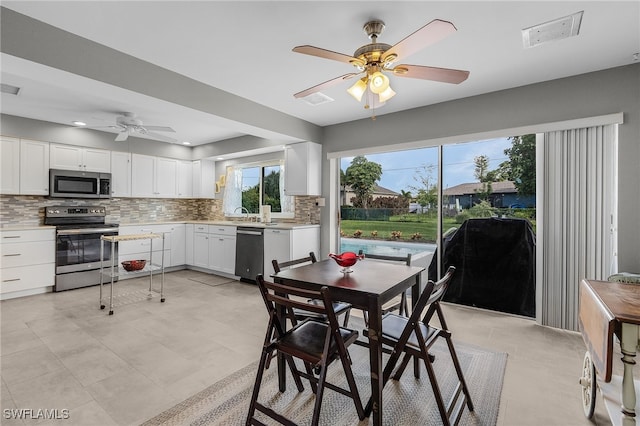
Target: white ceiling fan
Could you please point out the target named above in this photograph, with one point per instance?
(127, 124)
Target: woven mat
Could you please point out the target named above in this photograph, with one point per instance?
(212, 280)
(408, 401)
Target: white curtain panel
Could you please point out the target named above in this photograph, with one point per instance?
(577, 218)
(233, 191)
(286, 202)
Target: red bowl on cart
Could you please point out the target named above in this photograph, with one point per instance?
(133, 265)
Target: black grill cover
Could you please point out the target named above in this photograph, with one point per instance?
(495, 265)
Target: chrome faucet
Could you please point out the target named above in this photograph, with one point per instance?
(243, 209)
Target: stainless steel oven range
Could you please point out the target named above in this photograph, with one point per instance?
(78, 231)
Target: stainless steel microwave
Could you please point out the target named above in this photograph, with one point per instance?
(78, 184)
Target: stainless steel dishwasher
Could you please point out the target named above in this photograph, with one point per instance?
(249, 253)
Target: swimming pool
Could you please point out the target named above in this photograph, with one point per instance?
(386, 248)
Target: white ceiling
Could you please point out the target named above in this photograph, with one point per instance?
(244, 48)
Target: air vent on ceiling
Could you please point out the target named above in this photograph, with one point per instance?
(7, 88)
(317, 99)
(557, 29)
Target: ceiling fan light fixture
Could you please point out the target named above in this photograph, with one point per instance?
(378, 82)
(386, 95)
(358, 89)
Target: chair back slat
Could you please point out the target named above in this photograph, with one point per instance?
(406, 259)
(279, 294)
(278, 266)
(440, 287)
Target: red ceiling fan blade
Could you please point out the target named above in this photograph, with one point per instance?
(324, 85)
(444, 75)
(430, 34)
(327, 54)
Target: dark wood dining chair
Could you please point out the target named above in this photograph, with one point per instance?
(413, 337)
(316, 343)
(401, 306)
(340, 308)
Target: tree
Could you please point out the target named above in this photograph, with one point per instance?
(484, 176)
(362, 176)
(271, 189)
(406, 194)
(522, 163)
(343, 188)
(426, 190)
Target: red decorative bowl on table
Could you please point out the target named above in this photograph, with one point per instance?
(133, 265)
(346, 260)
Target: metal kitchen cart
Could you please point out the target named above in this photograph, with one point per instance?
(608, 310)
(115, 270)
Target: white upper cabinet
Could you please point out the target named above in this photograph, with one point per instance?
(166, 177)
(120, 174)
(10, 173)
(76, 158)
(34, 167)
(142, 175)
(153, 177)
(204, 179)
(185, 179)
(302, 168)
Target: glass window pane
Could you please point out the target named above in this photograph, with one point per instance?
(271, 188)
(251, 189)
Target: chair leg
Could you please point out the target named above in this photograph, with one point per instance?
(436, 392)
(456, 364)
(346, 318)
(401, 368)
(319, 394)
(355, 395)
(256, 386)
(294, 372)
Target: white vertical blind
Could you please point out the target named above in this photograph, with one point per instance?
(577, 218)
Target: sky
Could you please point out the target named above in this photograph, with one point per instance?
(399, 168)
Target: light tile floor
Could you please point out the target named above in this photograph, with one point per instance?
(60, 351)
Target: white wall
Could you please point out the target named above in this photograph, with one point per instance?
(522, 110)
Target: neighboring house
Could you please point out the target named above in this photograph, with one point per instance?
(347, 194)
(503, 194)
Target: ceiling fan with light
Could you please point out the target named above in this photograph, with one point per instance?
(127, 124)
(374, 60)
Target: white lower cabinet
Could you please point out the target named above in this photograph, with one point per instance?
(222, 248)
(189, 246)
(178, 244)
(287, 244)
(201, 246)
(28, 262)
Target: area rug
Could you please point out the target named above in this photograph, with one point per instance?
(212, 280)
(408, 401)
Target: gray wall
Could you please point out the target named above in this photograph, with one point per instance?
(594, 94)
(26, 128)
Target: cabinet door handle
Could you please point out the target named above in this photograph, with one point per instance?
(12, 236)
(13, 254)
(10, 280)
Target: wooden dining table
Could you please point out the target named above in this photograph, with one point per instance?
(371, 284)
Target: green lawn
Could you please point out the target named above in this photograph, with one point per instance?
(426, 229)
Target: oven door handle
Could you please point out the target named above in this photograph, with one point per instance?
(88, 231)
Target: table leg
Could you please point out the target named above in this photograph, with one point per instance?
(628, 343)
(375, 355)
